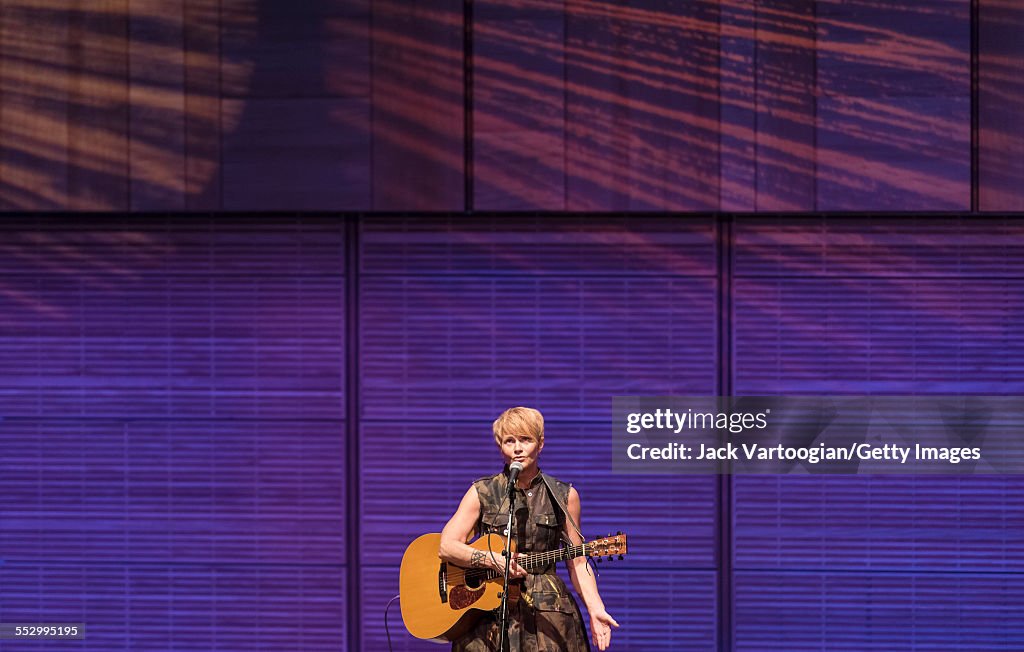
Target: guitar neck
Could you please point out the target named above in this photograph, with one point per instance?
(542, 559)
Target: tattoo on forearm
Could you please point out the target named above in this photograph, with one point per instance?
(477, 560)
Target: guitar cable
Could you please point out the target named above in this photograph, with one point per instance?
(386, 630)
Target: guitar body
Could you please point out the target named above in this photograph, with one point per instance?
(442, 601)
(439, 602)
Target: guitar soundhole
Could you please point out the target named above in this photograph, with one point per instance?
(473, 582)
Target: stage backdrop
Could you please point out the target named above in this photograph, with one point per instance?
(444, 105)
(220, 433)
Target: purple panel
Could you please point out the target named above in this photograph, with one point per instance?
(203, 129)
(297, 124)
(152, 607)
(98, 107)
(563, 318)
(784, 83)
(893, 115)
(519, 107)
(156, 127)
(879, 335)
(859, 612)
(565, 246)
(565, 344)
(314, 48)
(415, 475)
(737, 105)
(879, 248)
(854, 306)
(461, 319)
(125, 320)
(168, 248)
(170, 393)
(34, 148)
(643, 88)
(662, 609)
(659, 104)
(141, 347)
(297, 154)
(418, 99)
(181, 491)
(1000, 103)
(883, 306)
(879, 523)
(671, 521)
(899, 154)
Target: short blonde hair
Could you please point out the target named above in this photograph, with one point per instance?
(519, 420)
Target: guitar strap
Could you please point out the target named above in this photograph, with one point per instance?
(561, 506)
(565, 510)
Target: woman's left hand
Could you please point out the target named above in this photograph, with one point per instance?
(601, 624)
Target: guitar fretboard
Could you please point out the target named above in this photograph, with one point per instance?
(541, 559)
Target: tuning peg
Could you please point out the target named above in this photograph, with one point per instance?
(611, 557)
(600, 559)
(618, 533)
(620, 557)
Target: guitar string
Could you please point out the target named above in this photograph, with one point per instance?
(537, 559)
(542, 558)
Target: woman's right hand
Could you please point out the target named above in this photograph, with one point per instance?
(515, 571)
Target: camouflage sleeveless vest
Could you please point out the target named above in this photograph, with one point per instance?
(538, 521)
(546, 618)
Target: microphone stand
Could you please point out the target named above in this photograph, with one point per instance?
(503, 640)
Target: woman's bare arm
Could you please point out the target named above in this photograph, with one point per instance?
(454, 535)
(601, 622)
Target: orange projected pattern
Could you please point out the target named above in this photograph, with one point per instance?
(794, 105)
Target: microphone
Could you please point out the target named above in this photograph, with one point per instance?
(513, 472)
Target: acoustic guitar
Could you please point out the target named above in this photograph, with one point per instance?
(442, 601)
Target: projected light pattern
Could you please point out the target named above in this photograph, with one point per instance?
(106, 109)
(775, 105)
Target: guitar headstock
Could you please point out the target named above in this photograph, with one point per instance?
(607, 547)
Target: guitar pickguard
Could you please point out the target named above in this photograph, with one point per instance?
(462, 596)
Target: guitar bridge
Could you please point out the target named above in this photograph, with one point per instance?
(442, 582)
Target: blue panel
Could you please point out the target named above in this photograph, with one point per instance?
(888, 335)
(891, 247)
(172, 491)
(858, 612)
(539, 246)
(173, 463)
(660, 609)
(873, 306)
(923, 306)
(460, 319)
(922, 523)
(568, 344)
(414, 476)
(180, 607)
